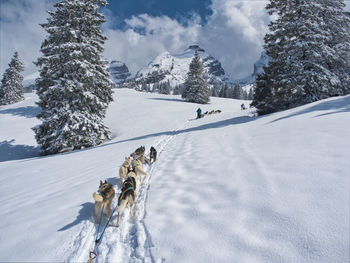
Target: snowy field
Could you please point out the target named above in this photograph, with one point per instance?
(230, 187)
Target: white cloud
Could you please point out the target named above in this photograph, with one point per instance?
(20, 31)
(156, 34)
(233, 34)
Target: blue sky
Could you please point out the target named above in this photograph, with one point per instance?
(181, 10)
(138, 30)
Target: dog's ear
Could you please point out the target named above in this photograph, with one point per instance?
(105, 181)
(101, 183)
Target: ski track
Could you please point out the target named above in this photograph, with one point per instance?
(131, 241)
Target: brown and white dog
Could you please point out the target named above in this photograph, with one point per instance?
(128, 195)
(137, 166)
(104, 198)
(138, 152)
(124, 169)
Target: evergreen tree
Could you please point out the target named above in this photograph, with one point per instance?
(11, 89)
(337, 23)
(223, 91)
(216, 90)
(238, 93)
(74, 86)
(251, 93)
(144, 87)
(262, 98)
(308, 46)
(165, 88)
(229, 92)
(245, 95)
(155, 87)
(180, 90)
(196, 86)
(177, 90)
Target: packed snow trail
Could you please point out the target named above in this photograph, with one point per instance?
(131, 242)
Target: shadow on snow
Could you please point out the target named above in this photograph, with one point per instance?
(338, 105)
(168, 99)
(214, 125)
(85, 213)
(10, 152)
(27, 112)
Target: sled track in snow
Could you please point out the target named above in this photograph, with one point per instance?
(131, 242)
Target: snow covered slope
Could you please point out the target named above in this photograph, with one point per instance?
(230, 187)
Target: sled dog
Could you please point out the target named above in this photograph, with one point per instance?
(152, 155)
(127, 196)
(138, 152)
(124, 169)
(217, 111)
(137, 165)
(104, 198)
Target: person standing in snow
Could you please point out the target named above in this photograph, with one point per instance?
(199, 113)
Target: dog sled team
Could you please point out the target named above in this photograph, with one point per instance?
(129, 172)
(200, 115)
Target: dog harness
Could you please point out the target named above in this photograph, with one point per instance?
(127, 168)
(104, 194)
(129, 188)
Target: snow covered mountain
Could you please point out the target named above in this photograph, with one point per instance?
(174, 68)
(258, 68)
(119, 71)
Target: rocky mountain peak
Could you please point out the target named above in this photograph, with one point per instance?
(119, 71)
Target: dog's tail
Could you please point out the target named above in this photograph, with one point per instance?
(97, 197)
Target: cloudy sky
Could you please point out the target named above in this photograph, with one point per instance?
(138, 30)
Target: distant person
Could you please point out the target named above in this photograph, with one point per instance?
(243, 106)
(199, 113)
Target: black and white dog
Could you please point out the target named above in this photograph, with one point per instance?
(153, 155)
(128, 195)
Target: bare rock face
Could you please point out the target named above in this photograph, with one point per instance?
(119, 72)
